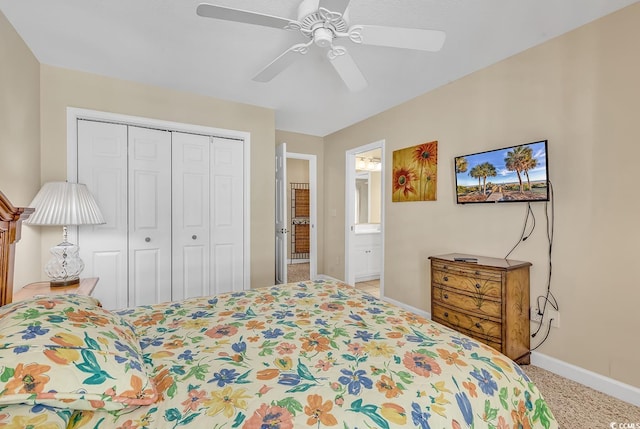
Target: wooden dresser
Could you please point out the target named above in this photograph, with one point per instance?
(487, 300)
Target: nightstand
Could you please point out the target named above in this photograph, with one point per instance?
(85, 287)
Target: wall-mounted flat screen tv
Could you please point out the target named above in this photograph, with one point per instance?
(511, 174)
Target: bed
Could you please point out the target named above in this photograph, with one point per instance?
(309, 354)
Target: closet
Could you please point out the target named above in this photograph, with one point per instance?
(174, 208)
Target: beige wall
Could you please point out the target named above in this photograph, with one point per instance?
(20, 140)
(310, 145)
(297, 171)
(581, 91)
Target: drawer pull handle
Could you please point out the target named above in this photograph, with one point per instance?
(147, 239)
(477, 273)
(478, 286)
(446, 314)
(445, 278)
(446, 296)
(478, 325)
(194, 237)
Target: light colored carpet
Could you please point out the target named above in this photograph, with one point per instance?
(577, 406)
(370, 286)
(298, 272)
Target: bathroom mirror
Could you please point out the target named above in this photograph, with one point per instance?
(362, 198)
(368, 204)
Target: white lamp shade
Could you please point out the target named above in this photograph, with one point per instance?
(64, 203)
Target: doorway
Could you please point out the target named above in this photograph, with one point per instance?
(296, 235)
(364, 222)
(299, 221)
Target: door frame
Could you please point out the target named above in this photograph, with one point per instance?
(313, 208)
(349, 208)
(281, 215)
(75, 113)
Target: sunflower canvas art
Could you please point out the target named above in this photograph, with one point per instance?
(415, 173)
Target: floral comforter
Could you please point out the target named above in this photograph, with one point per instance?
(317, 354)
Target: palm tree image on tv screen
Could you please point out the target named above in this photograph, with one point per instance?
(511, 174)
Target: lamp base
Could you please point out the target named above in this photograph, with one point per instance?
(65, 265)
(63, 283)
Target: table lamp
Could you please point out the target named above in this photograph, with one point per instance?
(64, 204)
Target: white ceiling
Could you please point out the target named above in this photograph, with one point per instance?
(164, 43)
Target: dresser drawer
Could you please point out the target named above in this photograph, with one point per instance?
(482, 283)
(475, 303)
(466, 322)
(490, 342)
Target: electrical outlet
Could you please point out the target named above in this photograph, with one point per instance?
(535, 317)
(552, 315)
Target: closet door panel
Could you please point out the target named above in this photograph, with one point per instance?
(102, 166)
(224, 268)
(149, 216)
(191, 230)
(227, 202)
(146, 277)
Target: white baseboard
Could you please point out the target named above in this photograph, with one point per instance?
(326, 277)
(611, 387)
(367, 278)
(408, 307)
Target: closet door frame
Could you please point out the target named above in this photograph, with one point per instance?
(243, 137)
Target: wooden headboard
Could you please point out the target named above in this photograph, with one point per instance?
(10, 223)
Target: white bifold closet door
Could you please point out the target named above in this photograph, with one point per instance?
(149, 210)
(102, 166)
(173, 203)
(191, 226)
(208, 215)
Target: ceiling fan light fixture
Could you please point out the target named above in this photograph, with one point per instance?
(323, 37)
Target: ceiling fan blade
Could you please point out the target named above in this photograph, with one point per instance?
(347, 69)
(397, 37)
(229, 14)
(287, 58)
(338, 6)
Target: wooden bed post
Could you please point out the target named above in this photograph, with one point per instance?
(10, 223)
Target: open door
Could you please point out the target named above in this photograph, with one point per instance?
(364, 214)
(281, 213)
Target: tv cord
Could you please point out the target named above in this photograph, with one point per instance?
(523, 236)
(548, 298)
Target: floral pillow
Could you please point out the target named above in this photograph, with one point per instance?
(34, 416)
(66, 351)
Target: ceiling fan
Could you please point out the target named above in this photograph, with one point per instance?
(322, 22)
